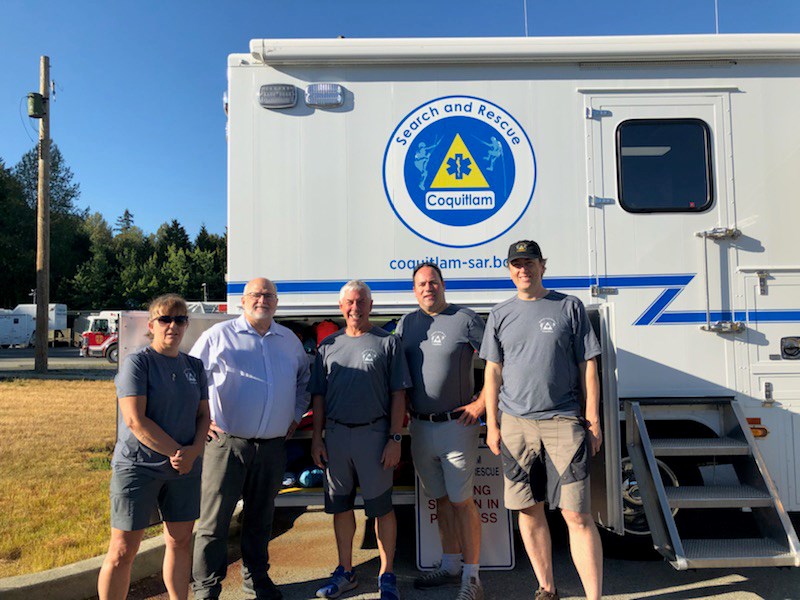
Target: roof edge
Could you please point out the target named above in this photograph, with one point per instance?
(517, 49)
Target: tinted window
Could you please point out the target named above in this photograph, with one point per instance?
(664, 165)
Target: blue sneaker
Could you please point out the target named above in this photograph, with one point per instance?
(387, 586)
(340, 582)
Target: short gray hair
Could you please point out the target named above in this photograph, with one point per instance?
(354, 284)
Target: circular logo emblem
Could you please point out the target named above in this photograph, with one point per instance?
(459, 171)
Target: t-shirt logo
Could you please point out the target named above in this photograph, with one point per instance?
(190, 376)
(369, 356)
(437, 338)
(547, 325)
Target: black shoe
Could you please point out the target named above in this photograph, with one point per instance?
(541, 594)
(269, 591)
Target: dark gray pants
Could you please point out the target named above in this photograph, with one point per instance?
(236, 468)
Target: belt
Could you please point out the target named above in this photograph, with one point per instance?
(440, 417)
(354, 425)
(253, 440)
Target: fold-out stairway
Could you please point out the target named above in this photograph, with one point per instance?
(769, 538)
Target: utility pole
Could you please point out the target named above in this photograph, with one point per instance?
(43, 223)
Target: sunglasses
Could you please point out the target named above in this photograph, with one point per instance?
(167, 319)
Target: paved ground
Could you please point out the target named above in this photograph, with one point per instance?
(303, 554)
(303, 550)
(62, 363)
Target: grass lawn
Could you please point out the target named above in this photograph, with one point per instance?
(56, 439)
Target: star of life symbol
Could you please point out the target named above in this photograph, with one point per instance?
(459, 171)
(547, 325)
(190, 376)
(369, 356)
(437, 338)
(458, 166)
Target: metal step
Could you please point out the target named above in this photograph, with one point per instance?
(716, 496)
(699, 447)
(746, 552)
(778, 546)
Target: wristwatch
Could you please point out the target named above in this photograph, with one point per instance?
(396, 437)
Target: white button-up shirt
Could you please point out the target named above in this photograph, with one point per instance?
(256, 384)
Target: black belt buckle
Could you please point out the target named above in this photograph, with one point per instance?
(441, 417)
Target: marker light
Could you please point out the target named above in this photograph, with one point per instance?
(277, 95)
(756, 428)
(325, 95)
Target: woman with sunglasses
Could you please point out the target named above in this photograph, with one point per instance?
(164, 418)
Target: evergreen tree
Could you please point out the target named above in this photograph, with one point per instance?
(17, 242)
(176, 271)
(171, 234)
(124, 222)
(63, 191)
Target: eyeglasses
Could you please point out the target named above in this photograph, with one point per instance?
(167, 319)
(266, 295)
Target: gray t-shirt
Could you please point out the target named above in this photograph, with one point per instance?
(174, 387)
(540, 344)
(357, 375)
(439, 351)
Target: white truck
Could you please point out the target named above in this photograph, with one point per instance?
(18, 325)
(657, 173)
(101, 337)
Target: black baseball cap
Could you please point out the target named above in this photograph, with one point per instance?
(524, 249)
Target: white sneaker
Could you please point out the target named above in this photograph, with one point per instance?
(472, 589)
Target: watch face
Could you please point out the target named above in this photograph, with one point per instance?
(396, 437)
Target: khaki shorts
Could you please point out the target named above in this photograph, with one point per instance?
(545, 460)
(445, 456)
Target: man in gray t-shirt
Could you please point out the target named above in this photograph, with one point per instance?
(541, 374)
(358, 395)
(439, 340)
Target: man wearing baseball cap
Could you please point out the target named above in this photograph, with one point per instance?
(542, 415)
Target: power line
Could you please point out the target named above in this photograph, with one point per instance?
(525, 15)
(22, 120)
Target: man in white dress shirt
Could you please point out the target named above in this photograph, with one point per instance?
(257, 374)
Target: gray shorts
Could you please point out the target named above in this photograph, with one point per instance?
(545, 460)
(140, 499)
(445, 456)
(355, 452)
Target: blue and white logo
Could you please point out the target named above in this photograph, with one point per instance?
(459, 171)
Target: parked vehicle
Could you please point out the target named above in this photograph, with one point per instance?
(18, 325)
(101, 338)
(658, 175)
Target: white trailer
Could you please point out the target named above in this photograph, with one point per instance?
(657, 173)
(16, 329)
(18, 326)
(56, 314)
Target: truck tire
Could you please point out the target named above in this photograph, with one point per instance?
(637, 543)
(112, 354)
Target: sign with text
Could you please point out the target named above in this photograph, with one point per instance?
(497, 541)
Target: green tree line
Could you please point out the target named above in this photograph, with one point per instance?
(94, 265)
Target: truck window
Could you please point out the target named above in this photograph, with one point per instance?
(664, 165)
(100, 325)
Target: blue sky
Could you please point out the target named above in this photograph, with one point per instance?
(138, 110)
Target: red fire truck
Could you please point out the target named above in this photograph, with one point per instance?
(101, 338)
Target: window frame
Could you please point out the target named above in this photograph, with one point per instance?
(709, 164)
